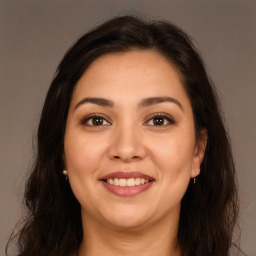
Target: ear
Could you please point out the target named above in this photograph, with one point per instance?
(64, 160)
(199, 152)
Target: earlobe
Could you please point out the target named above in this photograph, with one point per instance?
(199, 152)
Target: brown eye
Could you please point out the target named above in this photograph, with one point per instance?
(160, 120)
(95, 120)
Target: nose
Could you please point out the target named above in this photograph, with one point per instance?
(127, 144)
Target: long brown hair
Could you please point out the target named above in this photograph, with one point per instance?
(209, 208)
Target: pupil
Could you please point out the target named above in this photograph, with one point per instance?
(97, 121)
(158, 121)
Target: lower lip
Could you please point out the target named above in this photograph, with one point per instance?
(127, 191)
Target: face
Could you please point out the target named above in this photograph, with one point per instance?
(130, 123)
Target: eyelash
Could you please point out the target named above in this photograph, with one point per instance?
(85, 120)
(162, 115)
(90, 117)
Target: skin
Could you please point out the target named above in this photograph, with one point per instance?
(127, 139)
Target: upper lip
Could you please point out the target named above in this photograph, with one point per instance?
(126, 175)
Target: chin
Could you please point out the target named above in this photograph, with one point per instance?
(132, 224)
(127, 218)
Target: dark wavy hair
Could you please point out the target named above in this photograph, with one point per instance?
(209, 208)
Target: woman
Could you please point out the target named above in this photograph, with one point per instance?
(133, 157)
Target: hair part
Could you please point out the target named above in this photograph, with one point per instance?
(209, 208)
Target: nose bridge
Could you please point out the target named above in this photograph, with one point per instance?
(127, 141)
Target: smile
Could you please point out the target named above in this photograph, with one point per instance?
(127, 183)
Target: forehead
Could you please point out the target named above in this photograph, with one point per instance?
(130, 75)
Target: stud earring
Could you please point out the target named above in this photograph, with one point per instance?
(65, 172)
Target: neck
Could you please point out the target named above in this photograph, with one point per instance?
(157, 239)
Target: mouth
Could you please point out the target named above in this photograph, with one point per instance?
(127, 183)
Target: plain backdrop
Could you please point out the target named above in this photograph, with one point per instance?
(34, 35)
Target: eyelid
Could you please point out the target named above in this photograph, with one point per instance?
(168, 117)
(93, 115)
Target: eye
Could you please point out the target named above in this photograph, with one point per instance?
(160, 120)
(94, 120)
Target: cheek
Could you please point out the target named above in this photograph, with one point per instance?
(173, 155)
(83, 153)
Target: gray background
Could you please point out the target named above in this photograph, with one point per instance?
(34, 35)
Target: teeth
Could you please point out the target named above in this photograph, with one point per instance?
(127, 182)
(137, 181)
(116, 181)
(122, 182)
(130, 182)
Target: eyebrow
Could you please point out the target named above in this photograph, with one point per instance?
(156, 100)
(98, 101)
(147, 102)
